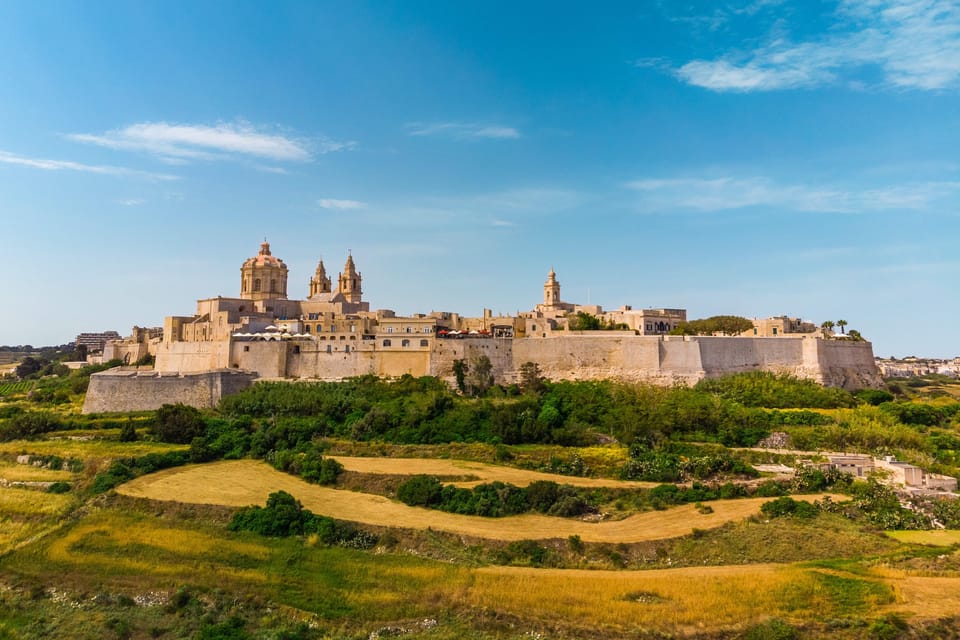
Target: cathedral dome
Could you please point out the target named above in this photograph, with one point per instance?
(264, 258)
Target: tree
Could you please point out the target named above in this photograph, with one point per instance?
(828, 326)
(460, 373)
(178, 424)
(726, 325)
(531, 380)
(584, 322)
(29, 366)
(480, 377)
(855, 336)
(842, 324)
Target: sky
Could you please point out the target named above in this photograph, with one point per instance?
(755, 158)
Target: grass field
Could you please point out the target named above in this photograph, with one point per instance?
(935, 538)
(352, 592)
(85, 449)
(29, 473)
(246, 482)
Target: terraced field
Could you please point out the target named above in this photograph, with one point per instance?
(247, 482)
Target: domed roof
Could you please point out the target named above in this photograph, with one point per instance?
(264, 258)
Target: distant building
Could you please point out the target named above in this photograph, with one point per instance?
(94, 342)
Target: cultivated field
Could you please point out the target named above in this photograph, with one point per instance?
(479, 472)
(248, 482)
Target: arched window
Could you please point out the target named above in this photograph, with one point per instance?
(306, 328)
(256, 284)
(387, 343)
(319, 328)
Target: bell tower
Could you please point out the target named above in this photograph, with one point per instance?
(319, 283)
(349, 283)
(551, 290)
(264, 276)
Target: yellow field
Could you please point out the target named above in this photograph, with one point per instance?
(85, 448)
(28, 473)
(247, 482)
(935, 538)
(16, 501)
(479, 470)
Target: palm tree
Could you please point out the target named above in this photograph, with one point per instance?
(841, 324)
(827, 327)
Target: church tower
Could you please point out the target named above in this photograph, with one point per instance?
(551, 290)
(263, 277)
(349, 284)
(319, 283)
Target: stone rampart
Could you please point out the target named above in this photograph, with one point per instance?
(129, 389)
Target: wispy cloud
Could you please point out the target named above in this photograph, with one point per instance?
(7, 157)
(179, 143)
(462, 130)
(914, 43)
(131, 202)
(340, 205)
(502, 223)
(725, 193)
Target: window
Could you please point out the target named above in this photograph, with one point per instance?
(409, 329)
(649, 326)
(312, 316)
(347, 348)
(533, 327)
(427, 330)
(405, 343)
(246, 347)
(389, 329)
(353, 328)
(333, 328)
(424, 343)
(319, 328)
(256, 284)
(329, 348)
(273, 286)
(296, 348)
(306, 328)
(754, 331)
(343, 337)
(774, 331)
(387, 343)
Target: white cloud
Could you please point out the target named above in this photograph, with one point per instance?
(725, 193)
(340, 205)
(67, 165)
(131, 202)
(914, 43)
(462, 130)
(179, 143)
(502, 223)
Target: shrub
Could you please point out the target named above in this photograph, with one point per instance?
(59, 487)
(178, 424)
(787, 506)
(29, 424)
(420, 491)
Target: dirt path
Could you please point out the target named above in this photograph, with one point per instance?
(482, 471)
(248, 482)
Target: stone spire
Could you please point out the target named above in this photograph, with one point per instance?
(320, 282)
(350, 282)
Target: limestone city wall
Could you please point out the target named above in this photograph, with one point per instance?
(127, 389)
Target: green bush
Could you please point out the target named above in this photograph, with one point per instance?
(787, 506)
(420, 491)
(177, 424)
(29, 424)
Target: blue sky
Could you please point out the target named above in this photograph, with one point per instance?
(757, 158)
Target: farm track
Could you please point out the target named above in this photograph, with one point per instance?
(249, 482)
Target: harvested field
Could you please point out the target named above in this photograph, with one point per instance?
(479, 470)
(13, 472)
(248, 482)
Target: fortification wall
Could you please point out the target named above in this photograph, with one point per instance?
(175, 357)
(127, 389)
(843, 363)
(499, 350)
